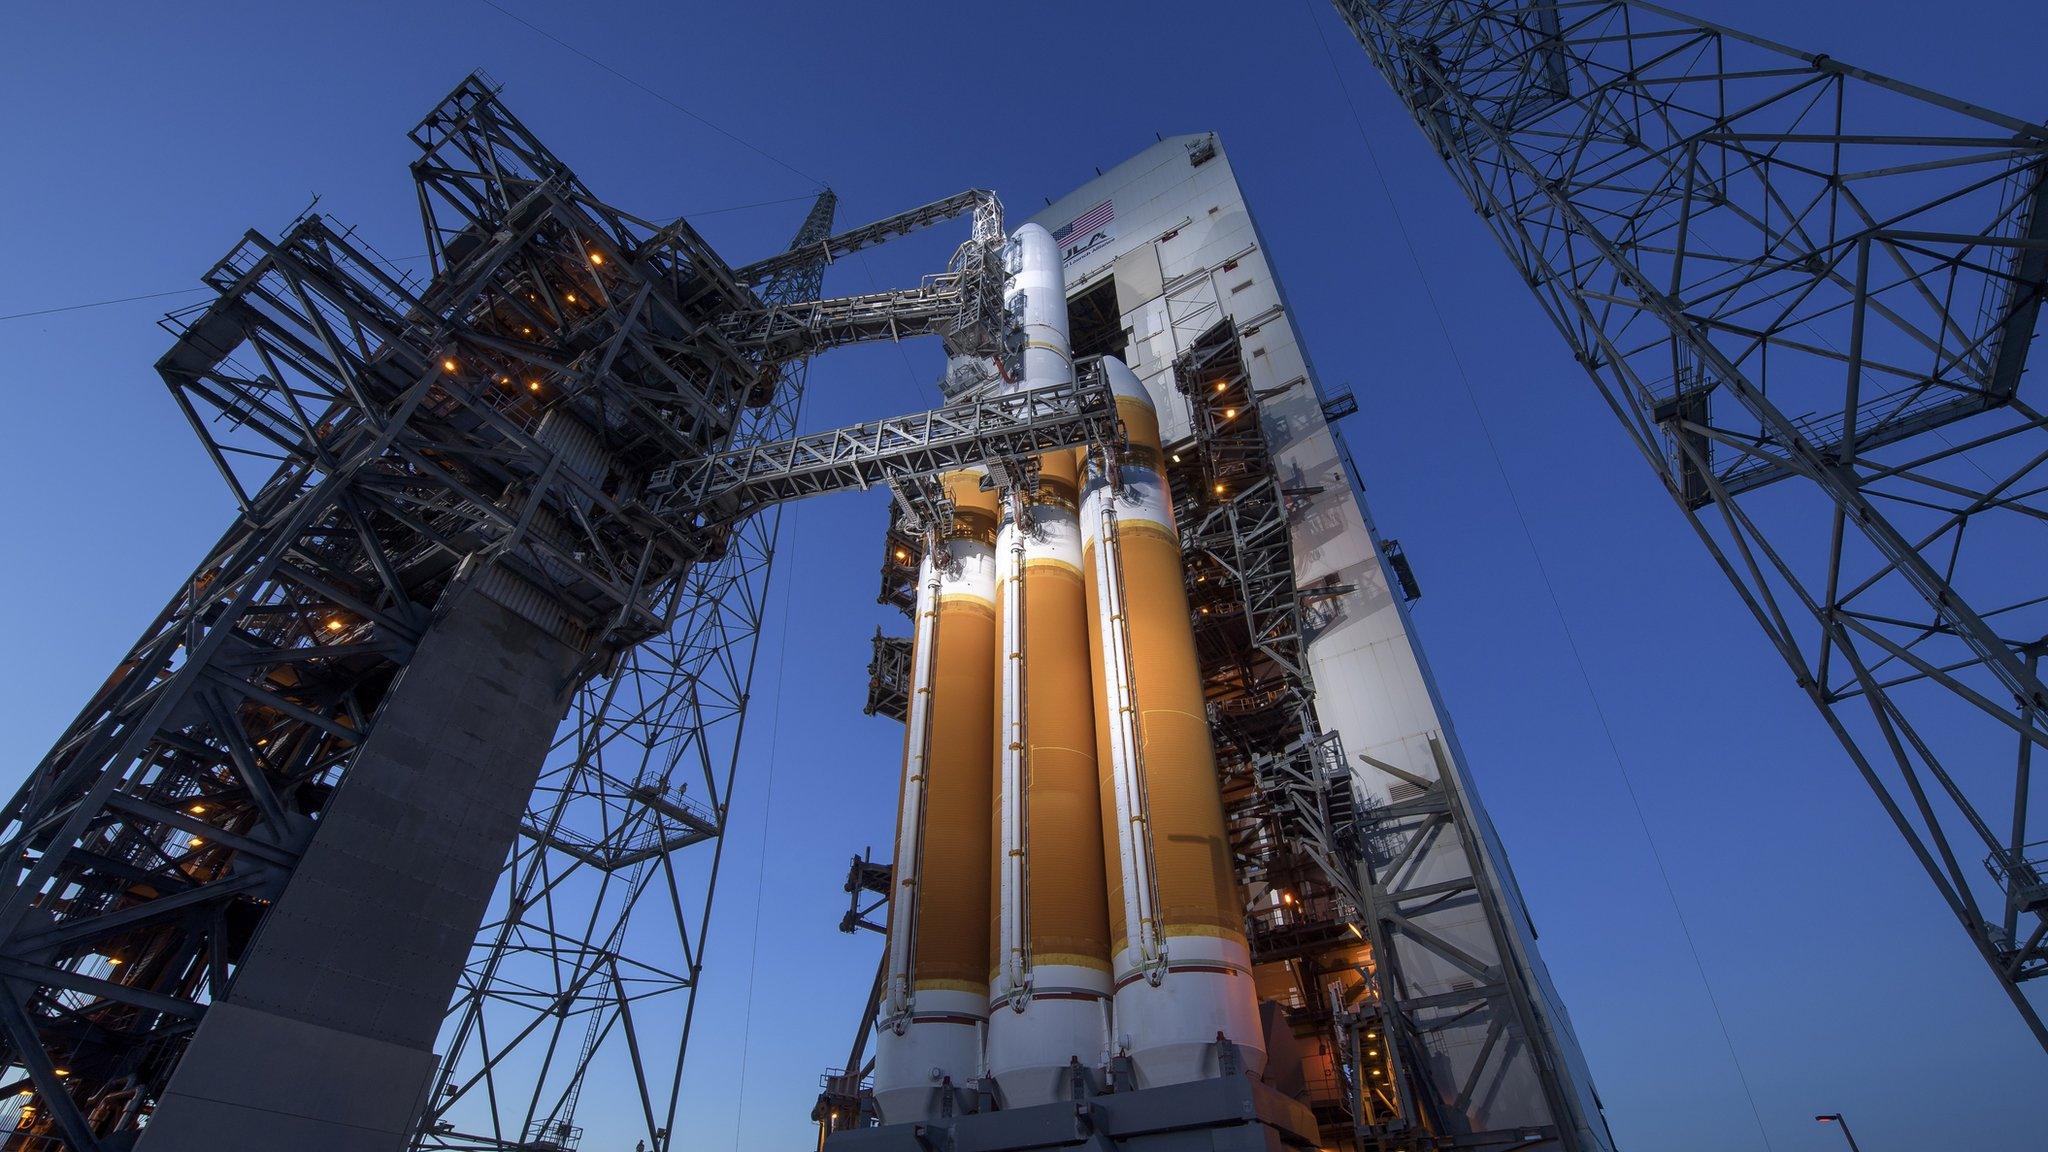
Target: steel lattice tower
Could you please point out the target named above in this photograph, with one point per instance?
(492, 593)
(1808, 293)
(602, 914)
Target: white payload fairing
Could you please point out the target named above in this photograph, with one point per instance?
(1107, 921)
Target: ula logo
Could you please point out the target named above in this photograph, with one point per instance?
(1088, 231)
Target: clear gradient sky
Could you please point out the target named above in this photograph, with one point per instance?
(141, 139)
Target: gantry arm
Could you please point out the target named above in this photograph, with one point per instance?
(981, 200)
(959, 307)
(718, 490)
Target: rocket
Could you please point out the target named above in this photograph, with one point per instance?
(1064, 890)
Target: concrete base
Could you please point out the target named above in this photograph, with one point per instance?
(313, 1087)
(324, 1042)
(1227, 1114)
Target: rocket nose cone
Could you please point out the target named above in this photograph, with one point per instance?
(1123, 382)
(1037, 263)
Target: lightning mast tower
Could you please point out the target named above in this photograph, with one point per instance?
(1808, 293)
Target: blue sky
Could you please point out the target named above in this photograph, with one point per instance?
(142, 139)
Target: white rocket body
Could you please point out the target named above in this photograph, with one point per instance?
(1044, 1015)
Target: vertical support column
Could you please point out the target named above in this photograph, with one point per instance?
(324, 1042)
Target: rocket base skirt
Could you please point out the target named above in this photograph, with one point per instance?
(940, 1045)
(1171, 1028)
(1031, 1051)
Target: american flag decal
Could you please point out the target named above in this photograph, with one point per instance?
(1085, 225)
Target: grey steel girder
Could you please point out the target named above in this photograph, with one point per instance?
(1807, 292)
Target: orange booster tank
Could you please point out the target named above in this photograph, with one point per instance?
(1182, 966)
(935, 996)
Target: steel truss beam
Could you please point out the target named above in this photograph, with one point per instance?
(815, 253)
(732, 485)
(963, 305)
(1807, 292)
(954, 306)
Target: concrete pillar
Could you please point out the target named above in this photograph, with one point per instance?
(324, 1042)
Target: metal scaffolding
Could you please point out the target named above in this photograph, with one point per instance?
(889, 677)
(384, 442)
(1344, 892)
(730, 486)
(556, 421)
(1807, 292)
(603, 914)
(1288, 794)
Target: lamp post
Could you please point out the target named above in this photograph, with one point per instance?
(1836, 1118)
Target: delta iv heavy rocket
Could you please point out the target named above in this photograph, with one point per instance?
(1064, 893)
